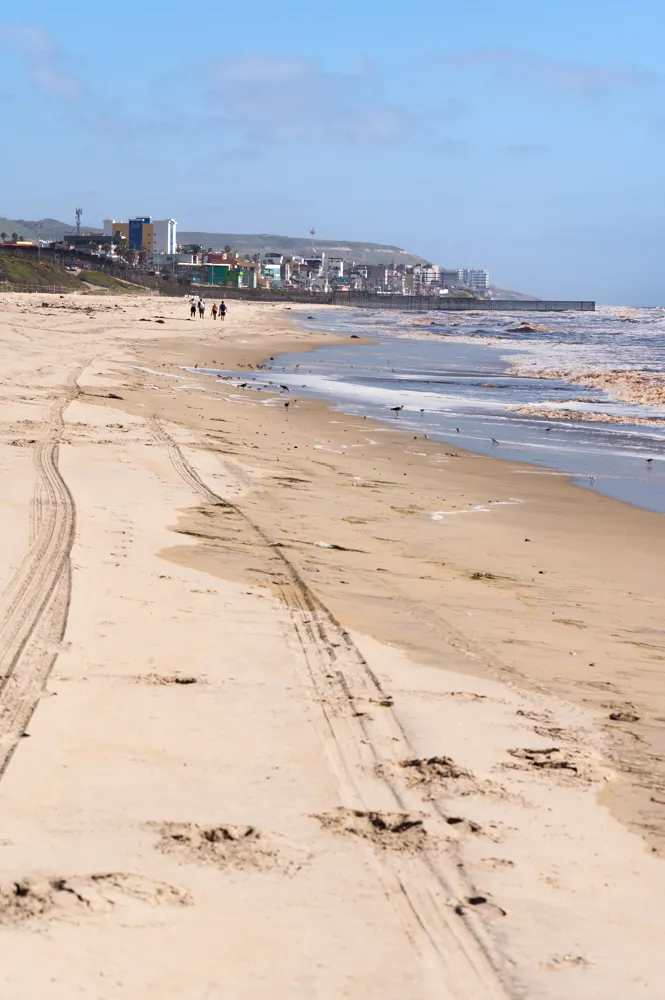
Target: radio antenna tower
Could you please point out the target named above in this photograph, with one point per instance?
(79, 213)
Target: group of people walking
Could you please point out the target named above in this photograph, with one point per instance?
(201, 306)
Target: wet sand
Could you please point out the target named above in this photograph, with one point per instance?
(297, 705)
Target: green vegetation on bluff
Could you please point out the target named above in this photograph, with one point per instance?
(18, 273)
(109, 283)
(22, 271)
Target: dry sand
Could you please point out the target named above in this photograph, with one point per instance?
(423, 762)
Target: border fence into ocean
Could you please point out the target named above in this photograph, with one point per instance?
(416, 303)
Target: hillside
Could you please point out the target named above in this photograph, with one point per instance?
(363, 253)
(51, 229)
(18, 272)
(110, 284)
(504, 293)
(248, 244)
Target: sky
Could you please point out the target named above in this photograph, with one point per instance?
(523, 137)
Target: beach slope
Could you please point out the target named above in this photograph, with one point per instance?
(276, 721)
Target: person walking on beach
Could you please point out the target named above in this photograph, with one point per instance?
(202, 308)
(222, 310)
(214, 310)
(192, 309)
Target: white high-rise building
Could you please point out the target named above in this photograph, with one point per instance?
(165, 235)
(476, 279)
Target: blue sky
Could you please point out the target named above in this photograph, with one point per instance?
(523, 137)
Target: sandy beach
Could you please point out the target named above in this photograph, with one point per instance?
(298, 705)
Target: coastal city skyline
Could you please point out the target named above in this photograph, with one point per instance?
(484, 139)
(154, 244)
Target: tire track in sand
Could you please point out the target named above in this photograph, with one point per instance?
(35, 605)
(460, 958)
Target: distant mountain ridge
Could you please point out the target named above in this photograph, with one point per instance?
(248, 244)
(504, 293)
(245, 243)
(41, 229)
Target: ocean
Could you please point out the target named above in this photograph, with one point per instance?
(577, 394)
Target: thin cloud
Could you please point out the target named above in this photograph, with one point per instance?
(527, 69)
(269, 100)
(44, 58)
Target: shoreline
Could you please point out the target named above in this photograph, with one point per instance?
(279, 618)
(612, 450)
(546, 489)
